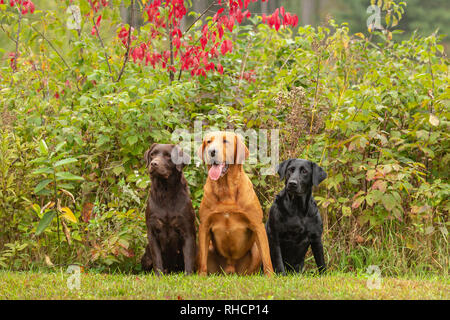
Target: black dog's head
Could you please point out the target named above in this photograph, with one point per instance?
(300, 175)
(163, 159)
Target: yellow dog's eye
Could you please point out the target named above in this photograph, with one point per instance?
(225, 141)
(208, 142)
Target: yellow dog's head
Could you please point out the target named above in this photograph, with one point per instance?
(221, 149)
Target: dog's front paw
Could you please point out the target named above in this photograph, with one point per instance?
(203, 273)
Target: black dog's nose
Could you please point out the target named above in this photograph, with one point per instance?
(292, 184)
(212, 152)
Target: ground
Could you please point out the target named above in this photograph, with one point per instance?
(55, 285)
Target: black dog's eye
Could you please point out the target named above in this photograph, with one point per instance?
(302, 170)
(291, 169)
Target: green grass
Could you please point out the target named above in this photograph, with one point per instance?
(44, 285)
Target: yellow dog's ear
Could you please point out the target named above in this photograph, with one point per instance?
(201, 150)
(241, 152)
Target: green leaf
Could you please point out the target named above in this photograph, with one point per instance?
(67, 176)
(346, 211)
(64, 161)
(132, 140)
(59, 146)
(45, 221)
(43, 170)
(43, 149)
(118, 170)
(41, 185)
(388, 201)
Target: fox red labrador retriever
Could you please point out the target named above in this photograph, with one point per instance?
(232, 237)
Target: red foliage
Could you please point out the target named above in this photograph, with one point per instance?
(193, 56)
(26, 6)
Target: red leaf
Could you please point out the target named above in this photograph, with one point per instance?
(219, 68)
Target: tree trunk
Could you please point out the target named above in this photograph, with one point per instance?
(273, 4)
(265, 7)
(308, 12)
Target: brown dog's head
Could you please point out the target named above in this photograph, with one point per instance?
(221, 149)
(164, 159)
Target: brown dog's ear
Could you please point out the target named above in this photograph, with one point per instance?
(241, 152)
(318, 174)
(201, 150)
(147, 155)
(179, 158)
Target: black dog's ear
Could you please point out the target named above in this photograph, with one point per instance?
(179, 158)
(147, 155)
(318, 174)
(282, 168)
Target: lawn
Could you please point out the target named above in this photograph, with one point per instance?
(45, 285)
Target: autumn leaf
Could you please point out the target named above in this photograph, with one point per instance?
(48, 261)
(434, 120)
(87, 211)
(68, 214)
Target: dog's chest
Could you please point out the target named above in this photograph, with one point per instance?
(168, 215)
(294, 228)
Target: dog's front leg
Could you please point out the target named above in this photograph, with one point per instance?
(203, 243)
(189, 254)
(156, 254)
(263, 246)
(275, 254)
(274, 245)
(317, 249)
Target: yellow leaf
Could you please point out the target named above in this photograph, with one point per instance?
(68, 214)
(389, 35)
(48, 261)
(394, 22)
(359, 34)
(434, 120)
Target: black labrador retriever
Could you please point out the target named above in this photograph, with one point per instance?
(294, 221)
(169, 215)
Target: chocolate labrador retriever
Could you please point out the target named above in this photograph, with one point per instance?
(294, 221)
(169, 215)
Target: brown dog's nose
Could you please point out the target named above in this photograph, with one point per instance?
(154, 164)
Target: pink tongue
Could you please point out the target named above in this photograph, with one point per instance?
(215, 171)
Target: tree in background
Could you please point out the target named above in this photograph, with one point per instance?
(423, 16)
